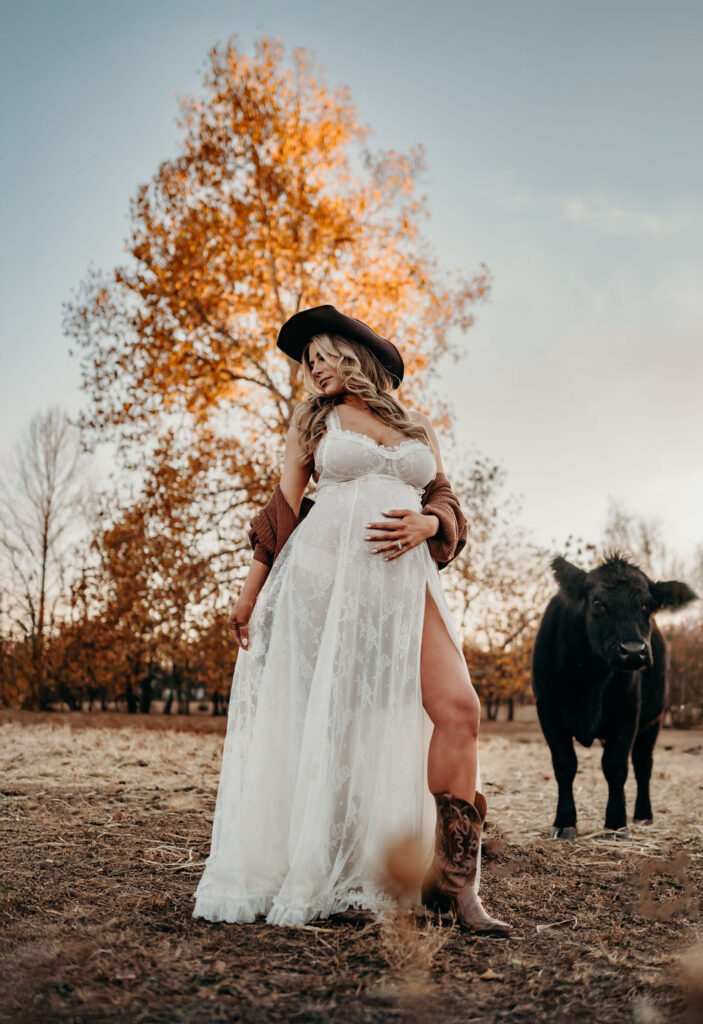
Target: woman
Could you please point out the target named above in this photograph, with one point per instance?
(345, 636)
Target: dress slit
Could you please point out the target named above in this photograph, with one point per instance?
(429, 808)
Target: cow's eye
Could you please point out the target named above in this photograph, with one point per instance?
(598, 605)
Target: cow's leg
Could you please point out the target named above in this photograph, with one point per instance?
(621, 708)
(642, 764)
(653, 688)
(564, 761)
(614, 762)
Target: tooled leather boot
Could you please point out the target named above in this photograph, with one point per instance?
(448, 886)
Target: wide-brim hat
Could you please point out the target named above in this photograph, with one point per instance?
(301, 327)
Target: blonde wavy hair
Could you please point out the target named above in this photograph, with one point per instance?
(362, 374)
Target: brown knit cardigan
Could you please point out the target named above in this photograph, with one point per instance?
(272, 525)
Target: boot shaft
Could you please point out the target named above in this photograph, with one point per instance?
(458, 838)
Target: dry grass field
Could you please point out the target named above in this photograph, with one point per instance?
(104, 832)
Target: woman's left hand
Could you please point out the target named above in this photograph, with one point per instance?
(409, 527)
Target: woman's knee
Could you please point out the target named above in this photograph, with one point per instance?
(462, 713)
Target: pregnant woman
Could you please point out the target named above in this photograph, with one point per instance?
(348, 652)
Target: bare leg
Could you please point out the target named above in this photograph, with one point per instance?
(453, 706)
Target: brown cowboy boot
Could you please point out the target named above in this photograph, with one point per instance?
(448, 886)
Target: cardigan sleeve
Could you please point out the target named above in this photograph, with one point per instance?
(262, 537)
(273, 524)
(440, 500)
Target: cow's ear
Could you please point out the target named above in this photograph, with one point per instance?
(571, 579)
(671, 594)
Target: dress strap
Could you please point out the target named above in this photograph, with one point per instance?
(332, 418)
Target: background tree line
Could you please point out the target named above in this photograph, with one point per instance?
(116, 608)
(118, 593)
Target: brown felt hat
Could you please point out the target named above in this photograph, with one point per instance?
(302, 326)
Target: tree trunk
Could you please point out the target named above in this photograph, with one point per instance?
(145, 696)
(131, 699)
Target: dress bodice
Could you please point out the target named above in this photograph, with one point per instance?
(348, 455)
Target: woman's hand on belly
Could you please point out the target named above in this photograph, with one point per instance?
(409, 527)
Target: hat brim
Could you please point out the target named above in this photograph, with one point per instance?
(301, 327)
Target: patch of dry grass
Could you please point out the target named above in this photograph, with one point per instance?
(105, 831)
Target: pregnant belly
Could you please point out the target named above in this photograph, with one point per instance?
(335, 528)
(378, 491)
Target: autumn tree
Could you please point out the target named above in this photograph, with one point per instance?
(151, 582)
(499, 585)
(492, 585)
(212, 657)
(685, 654)
(273, 204)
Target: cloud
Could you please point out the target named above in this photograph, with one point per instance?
(609, 213)
(612, 214)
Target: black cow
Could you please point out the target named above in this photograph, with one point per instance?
(599, 669)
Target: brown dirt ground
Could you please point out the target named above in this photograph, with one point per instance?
(105, 830)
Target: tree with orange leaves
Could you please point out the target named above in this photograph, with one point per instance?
(152, 580)
(274, 204)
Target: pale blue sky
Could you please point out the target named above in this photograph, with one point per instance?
(564, 150)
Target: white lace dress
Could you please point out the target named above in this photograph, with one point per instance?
(325, 757)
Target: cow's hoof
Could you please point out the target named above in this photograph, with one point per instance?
(569, 832)
(642, 821)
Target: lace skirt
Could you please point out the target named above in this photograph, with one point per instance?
(325, 757)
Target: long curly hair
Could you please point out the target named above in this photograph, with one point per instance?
(364, 375)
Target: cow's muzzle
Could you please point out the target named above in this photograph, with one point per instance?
(633, 654)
